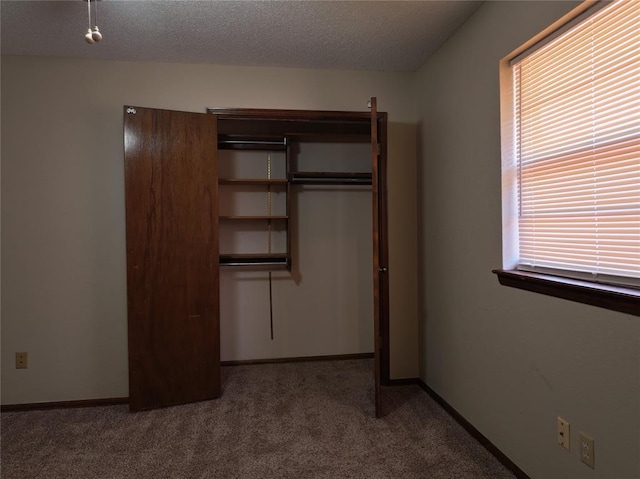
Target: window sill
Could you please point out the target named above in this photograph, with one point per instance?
(615, 298)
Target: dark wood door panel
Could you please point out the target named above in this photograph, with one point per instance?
(172, 257)
(375, 181)
(380, 253)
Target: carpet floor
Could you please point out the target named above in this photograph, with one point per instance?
(296, 420)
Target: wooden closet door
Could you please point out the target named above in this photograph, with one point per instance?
(172, 257)
(380, 255)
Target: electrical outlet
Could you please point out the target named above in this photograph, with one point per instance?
(587, 451)
(22, 360)
(563, 433)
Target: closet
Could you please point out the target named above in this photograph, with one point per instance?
(209, 193)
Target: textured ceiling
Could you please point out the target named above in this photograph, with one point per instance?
(355, 35)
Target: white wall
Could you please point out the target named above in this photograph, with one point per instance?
(509, 361)
(63, 238)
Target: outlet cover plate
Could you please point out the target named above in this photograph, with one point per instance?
(587, 450)
(563, 433)
(22, 360)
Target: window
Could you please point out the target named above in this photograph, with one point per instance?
(571, 155)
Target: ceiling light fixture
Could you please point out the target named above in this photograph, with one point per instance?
(92, 35)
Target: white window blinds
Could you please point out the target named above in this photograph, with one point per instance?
(577, 130)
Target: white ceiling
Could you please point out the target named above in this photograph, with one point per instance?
(356, 35)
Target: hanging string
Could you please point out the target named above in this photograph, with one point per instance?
(88, 37)
(92, 35)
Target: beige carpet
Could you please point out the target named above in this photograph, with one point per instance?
(298, 420)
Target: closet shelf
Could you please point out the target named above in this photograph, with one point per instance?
(253, 217)
(257, 259)
(257, 143)
(335, 137)
(329, 178)
(252, 181)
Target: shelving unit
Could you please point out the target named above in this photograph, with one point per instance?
(287, 132)
(266, 185)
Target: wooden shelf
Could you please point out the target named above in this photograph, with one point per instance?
(329, 178)
(336, 137)
(256, 143)
(253, 217)
(255, 259)
(252, 181)
(293, 122)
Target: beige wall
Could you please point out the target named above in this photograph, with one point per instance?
(63, 249)
(509, 361)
